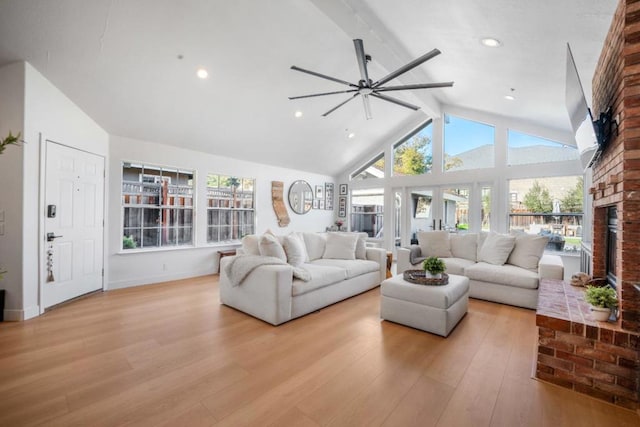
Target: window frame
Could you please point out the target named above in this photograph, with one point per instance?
(176, 211)
(240, 212)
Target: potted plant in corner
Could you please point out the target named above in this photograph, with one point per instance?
(433, 267)
(602, 300)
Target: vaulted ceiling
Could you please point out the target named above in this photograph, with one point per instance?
(131, 66)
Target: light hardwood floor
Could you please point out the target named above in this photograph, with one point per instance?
(171, 355)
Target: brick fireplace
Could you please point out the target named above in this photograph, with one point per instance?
(603, 359)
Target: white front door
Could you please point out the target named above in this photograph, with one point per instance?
(74, 208)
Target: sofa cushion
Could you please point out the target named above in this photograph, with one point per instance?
(527, 251)
(509, 275)
(456, 265)
(321, 276)
(250, 244)
(353, 268)
(340, 246)
(270, 246)
(295, 249)
(315, 243)
(464, 246)
(482, 236)
(496, 248)
(434, 243)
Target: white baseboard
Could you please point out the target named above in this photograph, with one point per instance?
(11, 315)
(148, 280)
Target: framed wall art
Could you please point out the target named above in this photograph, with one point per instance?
(342, 207)
(343, 189)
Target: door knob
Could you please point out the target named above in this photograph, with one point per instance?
(51, 237)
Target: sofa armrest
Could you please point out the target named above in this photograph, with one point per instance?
(265, 293)
(551, 267)
(403, 263)
(379, 255)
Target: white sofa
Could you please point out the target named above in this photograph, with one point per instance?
(272, 294)
(502, 268)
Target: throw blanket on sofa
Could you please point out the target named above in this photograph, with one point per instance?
(242, 265)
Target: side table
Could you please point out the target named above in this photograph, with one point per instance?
(222, 254)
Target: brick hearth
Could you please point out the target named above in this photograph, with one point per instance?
(574, 351)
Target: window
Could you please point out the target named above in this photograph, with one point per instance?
(551, 207)
(367, 211)
(467, 144)
(455, 208)
(486, 209)
(157, 205)
(230, 208)
(373, 169)
(526, 149)
(413, 155)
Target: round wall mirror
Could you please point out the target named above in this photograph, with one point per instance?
(300, 197)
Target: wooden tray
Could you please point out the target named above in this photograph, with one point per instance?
(418, 277)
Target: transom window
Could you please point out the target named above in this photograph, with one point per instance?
(230, 208)
(413, 155)
(467, 144)
(373, 169)
(527, 149)
(157, 204)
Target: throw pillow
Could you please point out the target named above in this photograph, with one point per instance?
(270, 246)
(528, 250)
(496, 248)
(434, 243)
(250, 244)
(361, 245)
(464, 246)
(340, 246)
(482, 236)
(295, 250)
(315, 243)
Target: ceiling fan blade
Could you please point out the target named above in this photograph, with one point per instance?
(396, 101)
(416, 86)
(323, 94)
(340, 105)
(322, 76)
(362, 61)
(409, 66)
(367, 107)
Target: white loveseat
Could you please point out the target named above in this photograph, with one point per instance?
(339, 265)
(501, 268)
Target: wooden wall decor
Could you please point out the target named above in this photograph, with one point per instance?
(277, 189)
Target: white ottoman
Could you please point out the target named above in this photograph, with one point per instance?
(435, 309)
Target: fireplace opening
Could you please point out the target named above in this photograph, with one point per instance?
(611, 240)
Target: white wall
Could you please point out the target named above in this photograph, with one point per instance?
(44, 113)
(11, 119)
(137, 268)
(497, 177)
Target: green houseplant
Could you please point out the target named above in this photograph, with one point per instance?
(434, 266)
(602, 299)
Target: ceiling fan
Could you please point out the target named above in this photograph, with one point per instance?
(366, 87)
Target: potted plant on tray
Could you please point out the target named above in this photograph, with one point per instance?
(602, 300)
(433, 267)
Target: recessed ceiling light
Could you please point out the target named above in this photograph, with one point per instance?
(351, 135)
(202, 73)
(298, 114)
(509, 97)
(491, 42)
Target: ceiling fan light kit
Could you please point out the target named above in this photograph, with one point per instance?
(367, 87)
